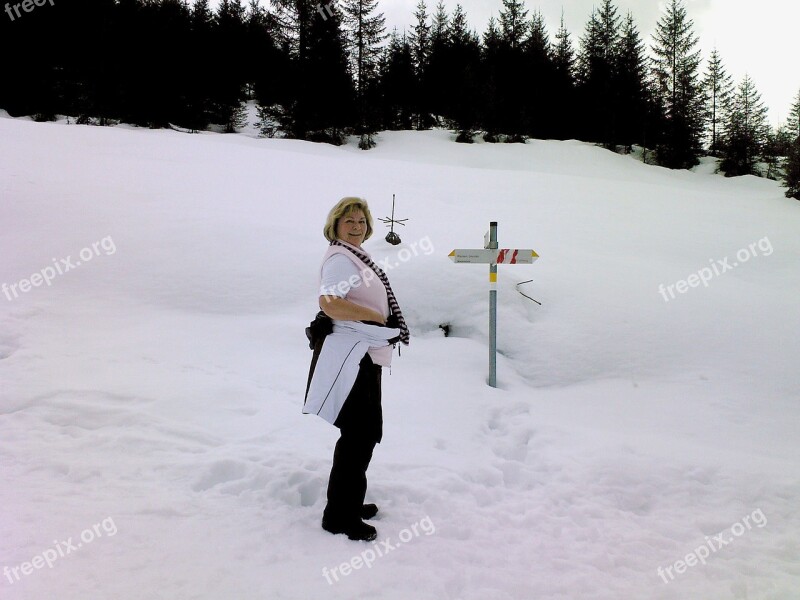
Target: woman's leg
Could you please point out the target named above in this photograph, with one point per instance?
(347, 485)
(360, 422)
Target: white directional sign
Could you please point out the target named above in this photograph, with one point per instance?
(498, 256)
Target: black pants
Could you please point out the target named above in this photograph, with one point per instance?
(361, 425)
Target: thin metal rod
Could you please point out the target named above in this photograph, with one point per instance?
(526, 295)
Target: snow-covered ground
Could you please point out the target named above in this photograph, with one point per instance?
(151, 439)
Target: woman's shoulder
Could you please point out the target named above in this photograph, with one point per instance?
(338, 261)
(337, 258)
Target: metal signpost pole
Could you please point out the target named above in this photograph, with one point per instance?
(493, 308)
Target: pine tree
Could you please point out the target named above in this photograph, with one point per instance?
(198, 105)
(489, 99)
(328, 91)
(420, 39)
(437, 71)
(440, 22)
(609, 29)
(563, 92)
(745, 131)
(537, 44)
(420, 43)
(655, 117)
(261, 54)
(229, 70)
(781, 139)
(563, 53)
(292, 21)
(463, 81)
(539, 74)
(718, 88)
(295, 109)
(629, 82)
(491, 37)
(96, 77)
(169, 22)
(513, 23)
(676, 70)
(398, 88)
(791, 176)
(458, 33)
(776, 148)
(509, 69)
(596, 63)
(365, 29)
(131, 65)
(793, 122)
(590, 50)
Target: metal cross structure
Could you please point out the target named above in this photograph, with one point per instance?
(491, 254)
(392, 237)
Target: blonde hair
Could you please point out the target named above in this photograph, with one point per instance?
(345, 206)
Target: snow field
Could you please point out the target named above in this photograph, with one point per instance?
(161, 385)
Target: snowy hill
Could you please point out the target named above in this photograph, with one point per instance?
(151, 394)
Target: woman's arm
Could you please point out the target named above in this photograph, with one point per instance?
(344, 310)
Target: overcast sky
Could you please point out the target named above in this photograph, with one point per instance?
(757, 37)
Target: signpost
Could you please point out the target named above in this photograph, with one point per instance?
(492, 255)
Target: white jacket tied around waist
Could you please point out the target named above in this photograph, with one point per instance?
(337, 366)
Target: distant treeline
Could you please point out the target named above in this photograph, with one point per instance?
(321, 71)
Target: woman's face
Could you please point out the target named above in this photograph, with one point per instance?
(352, 228)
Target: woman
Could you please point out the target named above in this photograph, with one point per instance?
(345, 380)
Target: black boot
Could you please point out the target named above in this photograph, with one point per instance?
(355, 529)
(368, 511)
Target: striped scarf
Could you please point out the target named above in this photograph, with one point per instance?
(405, 336)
